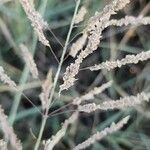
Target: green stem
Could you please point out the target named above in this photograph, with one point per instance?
(17, 97)
(56, 77)
(24, 76)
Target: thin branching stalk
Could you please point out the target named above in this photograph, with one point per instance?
(50, 143)
(57, 76)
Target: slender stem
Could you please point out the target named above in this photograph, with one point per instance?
(17, 97)
(56, 77)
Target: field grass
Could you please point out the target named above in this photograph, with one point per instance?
(15, 28)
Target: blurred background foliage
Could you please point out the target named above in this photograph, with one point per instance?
(15, 28)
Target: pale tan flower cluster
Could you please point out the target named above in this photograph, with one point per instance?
(101, 19)
(49, 144)
(130, 20)
(73, 69)
(37, 21)
(80, 15)
(6, 79)
(90, 95)
(129, 59)
(28, 58)
(78, 45)
(8, 131)
(46, 89)
(99, 135)
(116, 104)
(96, 25)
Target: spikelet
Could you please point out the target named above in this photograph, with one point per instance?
(129, 59)
(78, 45)
(121, 103)
(46, 88)
(73, 69)
(130, 20)
(101, 19)
(28, 58)
(3, 145)
(6, 79)
(99, 135)
(49, 144)
(8, 131)
(92, 93)
(80, 15)
(37, 21)
(96, 25)
(68, 77)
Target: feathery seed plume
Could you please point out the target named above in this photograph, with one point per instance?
(129, 59)
(8, 131)
(28, 58)
(46, 89)
(80, 15)
(99, 135)
(6, 79)
(78, 45)
(116, 104)
(37, 21)
(130, 20)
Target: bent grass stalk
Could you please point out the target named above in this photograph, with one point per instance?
(56, 77)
